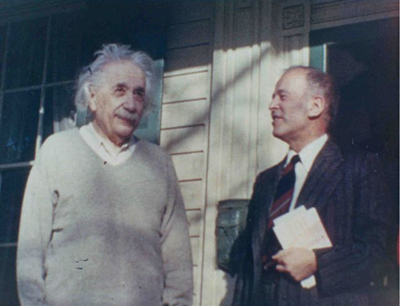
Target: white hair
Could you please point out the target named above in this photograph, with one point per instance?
(108, 54)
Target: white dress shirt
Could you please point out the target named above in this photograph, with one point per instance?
(307, 156)
(103, 147)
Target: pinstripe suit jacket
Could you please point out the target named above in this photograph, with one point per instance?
(352, 200)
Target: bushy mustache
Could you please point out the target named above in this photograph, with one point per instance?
(126, 115)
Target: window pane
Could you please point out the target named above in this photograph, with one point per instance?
(65, 47)
(26, 53)
(19, 126)
(8, 284)
(60, 109)
(12, 190)
(3, 34)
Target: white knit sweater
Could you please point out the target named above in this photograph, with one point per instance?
(96, 234)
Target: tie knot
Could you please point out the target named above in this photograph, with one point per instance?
(290, 166)
(295, 159)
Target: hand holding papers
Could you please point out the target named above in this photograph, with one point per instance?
(302, 228)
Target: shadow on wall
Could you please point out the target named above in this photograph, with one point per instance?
(218, 96)
(239, 133)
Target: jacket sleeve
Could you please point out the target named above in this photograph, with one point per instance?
(350, 264)
(241, 249)
(176, 249)
(34, 235)
(244, 263)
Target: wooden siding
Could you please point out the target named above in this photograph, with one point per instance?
(185, 112)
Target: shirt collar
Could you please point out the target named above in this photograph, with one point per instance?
(110, 147)
(309, 152)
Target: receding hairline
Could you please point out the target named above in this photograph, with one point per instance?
(305, 68)
(292, 71)
(307, 73)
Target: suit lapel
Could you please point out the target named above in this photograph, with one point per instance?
(268, 183)
(323, 177)
(271, 183)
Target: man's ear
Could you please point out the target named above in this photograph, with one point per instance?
(316, 106)
(92, 98)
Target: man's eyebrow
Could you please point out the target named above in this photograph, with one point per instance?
(120, 84)
(139, 88)
(280, 92)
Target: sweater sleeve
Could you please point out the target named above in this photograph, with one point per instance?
(176, 249)
(350, 266)
(34, 235)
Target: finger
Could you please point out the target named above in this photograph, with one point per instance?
(279, 259)
(281, 268)
(279, 255)
(269, 265)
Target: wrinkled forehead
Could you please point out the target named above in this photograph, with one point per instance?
(122, 71)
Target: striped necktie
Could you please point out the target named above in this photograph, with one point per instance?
(284, 191)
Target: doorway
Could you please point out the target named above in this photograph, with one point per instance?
(364, 61)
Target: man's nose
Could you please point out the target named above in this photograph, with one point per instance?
(273, 104)
(130, 104)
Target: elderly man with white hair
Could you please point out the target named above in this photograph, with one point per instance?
(103, 221)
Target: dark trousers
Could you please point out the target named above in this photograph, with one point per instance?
(267, 293)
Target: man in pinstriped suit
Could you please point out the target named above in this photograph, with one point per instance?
(348, 192)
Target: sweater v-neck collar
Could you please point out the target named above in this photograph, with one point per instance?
(138, 145)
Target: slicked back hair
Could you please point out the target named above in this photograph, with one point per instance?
(110, 53)
(321, 83)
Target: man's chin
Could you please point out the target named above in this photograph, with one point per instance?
(126, 131)
(275, 132)
(278, 134)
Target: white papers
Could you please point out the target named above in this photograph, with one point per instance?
(302, 228)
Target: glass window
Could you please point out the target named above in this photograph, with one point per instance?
(19, 125)
(8, 284)
(65, 47)
(3, 35)
(12, 188)
(60, 109)
(25, 56)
